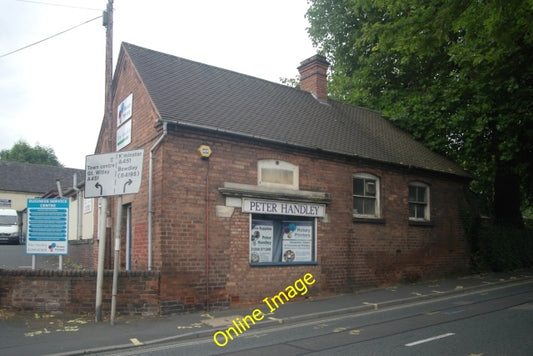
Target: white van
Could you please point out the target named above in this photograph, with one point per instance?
(10, 231)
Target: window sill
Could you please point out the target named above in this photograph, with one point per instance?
(283, 264)
(356, 219)
(421, 223)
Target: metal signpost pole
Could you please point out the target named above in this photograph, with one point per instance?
(111, 174)
(116, 259)
(101, 254)
(60, 193)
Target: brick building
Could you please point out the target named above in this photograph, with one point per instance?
(248, 185)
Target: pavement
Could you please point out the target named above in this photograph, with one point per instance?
(22, 333)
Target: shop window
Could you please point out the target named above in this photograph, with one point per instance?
(282, 240)
(366, 196)
(277, 173)
(418, 201)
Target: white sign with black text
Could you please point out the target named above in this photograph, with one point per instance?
(114, 173)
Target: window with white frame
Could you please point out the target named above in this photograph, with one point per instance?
(276, 173)
(366, 195)
(418, 201)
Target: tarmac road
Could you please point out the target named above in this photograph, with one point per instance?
(495, 321)
(15, 257)
(391, 317)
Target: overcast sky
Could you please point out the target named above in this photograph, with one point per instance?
(52, 93)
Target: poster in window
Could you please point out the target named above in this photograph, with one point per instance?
(297, 241)
(261, 240)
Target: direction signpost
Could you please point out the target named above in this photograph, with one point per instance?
(114, 173)
(111, 174)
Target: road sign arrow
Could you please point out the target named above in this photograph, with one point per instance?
(114, 173)
(128, 182)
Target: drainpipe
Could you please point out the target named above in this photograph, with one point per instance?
(207, 237)
(150, 188)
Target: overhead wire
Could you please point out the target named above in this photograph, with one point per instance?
(60, 5)
(50, 37)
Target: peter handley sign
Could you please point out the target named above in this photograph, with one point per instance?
(283, 208)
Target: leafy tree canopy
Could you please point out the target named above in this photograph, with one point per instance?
(456, 74)
(290, 82)
(22, 152)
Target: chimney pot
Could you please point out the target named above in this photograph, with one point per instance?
(314, 76)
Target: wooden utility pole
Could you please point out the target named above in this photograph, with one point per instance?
(108, 23)
(108, 118)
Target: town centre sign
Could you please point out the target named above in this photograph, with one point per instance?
(109, 174)
(114, 173)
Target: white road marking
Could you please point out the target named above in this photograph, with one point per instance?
(373, 304)
(135, 341)
(429, 339)
(276, 319)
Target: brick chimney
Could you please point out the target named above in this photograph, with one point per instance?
(313, 76)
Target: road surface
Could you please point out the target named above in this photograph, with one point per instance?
(496, 321)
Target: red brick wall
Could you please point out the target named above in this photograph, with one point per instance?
(313, 76)
(350, 254)
(146, 130)
(74, 292)
(80, 253)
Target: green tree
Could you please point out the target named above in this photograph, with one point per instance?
(22, 152)
(290, 82)
(456, 74)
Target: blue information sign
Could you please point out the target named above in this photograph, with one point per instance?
(47, 227)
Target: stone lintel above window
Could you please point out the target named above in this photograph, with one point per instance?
(238, 190)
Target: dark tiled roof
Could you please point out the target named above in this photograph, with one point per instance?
(35, 178)
(197, 94)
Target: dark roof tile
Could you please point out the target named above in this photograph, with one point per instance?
(35, 178)
(213, 98)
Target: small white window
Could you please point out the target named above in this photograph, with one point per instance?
(275, 173)
(418, 201)
(366, 195)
